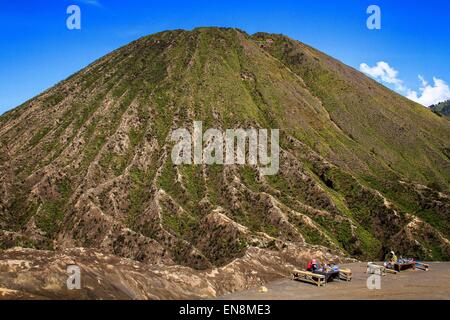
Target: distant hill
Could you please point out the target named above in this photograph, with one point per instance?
(442, 108)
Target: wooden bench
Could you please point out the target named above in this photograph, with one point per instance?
(345, 274)
(392, 271)
(310, 277)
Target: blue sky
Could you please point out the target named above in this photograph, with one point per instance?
(37, 50)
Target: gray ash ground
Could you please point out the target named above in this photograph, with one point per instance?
(409, 285)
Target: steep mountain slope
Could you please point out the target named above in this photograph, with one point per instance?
(87, 163)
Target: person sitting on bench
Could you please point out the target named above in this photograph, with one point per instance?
(390, 259)
(394, 258)
(313, 265)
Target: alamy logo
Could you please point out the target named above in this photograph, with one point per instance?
(374, 282)
(73, 21)
(374, 20)
(227, 148)
(74, 279)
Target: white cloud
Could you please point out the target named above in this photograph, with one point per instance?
(429, 94)
(384, 72)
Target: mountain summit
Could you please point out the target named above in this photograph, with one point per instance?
(88, 164)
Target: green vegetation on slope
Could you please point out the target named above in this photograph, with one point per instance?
(375, 159)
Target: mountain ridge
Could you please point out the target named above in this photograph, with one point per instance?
(442, 108)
